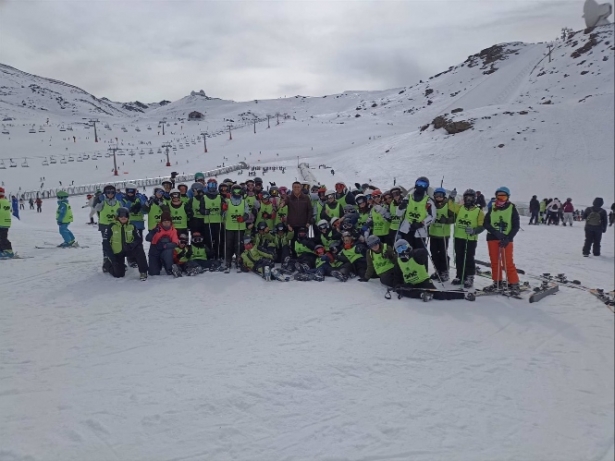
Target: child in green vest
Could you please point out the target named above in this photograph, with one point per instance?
(254, 259)
(283, 238)
(123, 240)
(440, 232)
(381, 262)
(469, 221)
(64, 216)
(6, 249)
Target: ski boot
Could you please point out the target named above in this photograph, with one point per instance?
(317, 277)
(434, 276)
(456, 281)
(426, 296)
(338, 275)
(7, 254)
(286, 266)
(303, 268)
(133, 264)
(176, 271)
(514, 290)
(279, 275)
(267, 273)
(469, 281)
(301, 277)
(143, 276)
(495, 286)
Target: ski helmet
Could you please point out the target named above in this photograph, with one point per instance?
(261, 226)
(314, 188)
(265, 195)
(228, 180)
(258, 180)
(302, 231)
(323, 225)
(211, 185)
(198, 176)
(158, 190)
(197, 237)
(62, 194)
(403, 249)
(330, 193)
(2, 191)
(347, 234)
(283, 190)
(273, 191)
(340, 188)
(247, 240)
(131, 188)
(349, 209)
(197, 187)
(469, 197)
(184, 187)
(175, 193)
(376, 193)
(183, 238)
(280, 227)
(503, 190)
(108, 189)
(122, 212)
(167, 181)
(441, 191)
(395, 191)
(372, 241)
(236, 190)
(359, 199)
(319, 249)
(334, 220)
(421, 183)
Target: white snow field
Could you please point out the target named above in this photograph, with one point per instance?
(230, 367)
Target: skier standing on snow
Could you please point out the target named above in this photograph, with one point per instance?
(568, 210)
(6, 249)
(469, 222)
(64, 216)
(440, 232)
(163, 240)
(534, 210)
(502, 224)
(543, 211)
(106, 208)
(595, 225)
(122, 239)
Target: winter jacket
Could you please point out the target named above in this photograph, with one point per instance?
(554, 206)
(596, 208)
(534, 205)
(163, 236)
(299, 210)
(480, 201)
(568, 207)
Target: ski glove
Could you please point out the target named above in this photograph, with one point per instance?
(403, 205)
(504, 243)
(452, 194)
(324, 258)
(136, 207)
(239, 218)
(365, 228)
(415, 226)
(206, 212)
(470, 231)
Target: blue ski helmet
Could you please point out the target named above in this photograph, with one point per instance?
(503, 189)
(440, 190)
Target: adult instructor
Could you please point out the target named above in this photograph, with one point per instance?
(299, 209)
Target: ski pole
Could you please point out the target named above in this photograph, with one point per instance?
(465, 255)
(238, 246)
(431, 259)
(504, 264)
(499, 269)
(211, 240)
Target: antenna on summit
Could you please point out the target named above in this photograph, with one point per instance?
(596, 14)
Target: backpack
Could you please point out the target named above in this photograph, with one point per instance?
(593, 219)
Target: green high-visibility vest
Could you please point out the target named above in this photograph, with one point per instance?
(153, 216)
(381, 225)
(181, 259)
(5, 213)
(281, 215)
(215, 210)
(251, 200)
(198, 253)
(502, 219)
(381, 264)
(301, 248)
(395, 220)
(108, 213)
(351, 254)
(438, 229)
(232, 213)
(362, 220)
(265, 208)
(196, 206)
(416, 211)
(179, 216)
(413, 272)
(335, 212)
(466, 218)
(121, 234)
(68, 216)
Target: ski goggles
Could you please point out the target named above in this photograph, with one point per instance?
(197, 239)
(323, 227)
(320, 251)
(395, 193)
(422, 184)
(110, 192)
(175, 195)
(368, 197)
(376, 196)
(131, 191)
(183, 242)
(502, 195)
(157, 192)
(402, 249)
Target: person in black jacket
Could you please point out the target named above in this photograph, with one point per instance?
(480, 200)
(595, 225)
(534, 210)
(612, 215)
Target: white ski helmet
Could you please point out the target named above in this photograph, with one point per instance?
(330, 192)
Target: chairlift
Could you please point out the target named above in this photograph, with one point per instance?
(70, 128)
(45, 162)
(107, 126)
(12, 164)
(63, 160)
(149, 127)
(159, 151)
(86, 157)
(71, 158)
(24, 164)
(137, 129)
(41, 129)
(5, 130)
(108, 155)
(124, 129)
(99, 155)
(32, 130)
(2, 165)
(94, 157)
(80, 158)
(62, 128)
(52, 160)
(151, 151)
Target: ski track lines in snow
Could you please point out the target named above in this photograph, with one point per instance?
(226, 367)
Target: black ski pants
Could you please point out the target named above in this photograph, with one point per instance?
(5, 244)
(416, 242)
(439, 252)
(116, 263)
(212, 235)
(593, 236)
(392, 277)
(282, 253)
(160, 258)
(309, 259)
(102, 228)
(534, 217)
(233, 246)
(465, 250)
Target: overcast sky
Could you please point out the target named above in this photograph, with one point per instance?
(150, 50)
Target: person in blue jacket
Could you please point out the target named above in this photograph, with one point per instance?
(15, 206)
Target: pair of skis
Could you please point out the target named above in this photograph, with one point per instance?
(53, 246)
(547, 288)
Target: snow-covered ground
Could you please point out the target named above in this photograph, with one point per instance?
(231, 367)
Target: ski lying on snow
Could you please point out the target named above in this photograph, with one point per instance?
(15, 256)
(546, 289)
(55, 247)
(399, 290)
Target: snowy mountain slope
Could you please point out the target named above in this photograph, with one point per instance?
(230, 367)
(20, 90)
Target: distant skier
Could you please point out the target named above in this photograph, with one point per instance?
(480, 200)
(534, 210)
(568, 210)
(39, 205)
(31, 203)
(6, 249)
(595, 225)
(15, 206)
(612, 215)
(64, 216)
